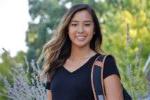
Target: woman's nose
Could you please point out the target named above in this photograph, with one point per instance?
(80, 29)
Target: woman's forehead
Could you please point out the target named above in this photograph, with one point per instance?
(82, 15)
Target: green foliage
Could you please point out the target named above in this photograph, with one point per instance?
(126, 36)
(20, 88)
(6, 66)
(125, 27)
(44, 19)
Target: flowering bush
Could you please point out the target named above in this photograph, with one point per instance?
(23, 87)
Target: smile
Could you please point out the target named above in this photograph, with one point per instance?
(81, 38)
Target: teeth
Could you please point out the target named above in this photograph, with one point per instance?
(80, 38)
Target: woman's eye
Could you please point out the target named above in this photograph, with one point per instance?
(87, 24)
(73, 24)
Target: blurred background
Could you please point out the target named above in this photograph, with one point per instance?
(26, 25)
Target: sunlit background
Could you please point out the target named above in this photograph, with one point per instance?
(26, 25)
(14, 18)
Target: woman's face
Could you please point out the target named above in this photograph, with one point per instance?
(81, 29)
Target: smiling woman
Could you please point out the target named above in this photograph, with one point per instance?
(81, 29)
(13, 22)
(69, 56)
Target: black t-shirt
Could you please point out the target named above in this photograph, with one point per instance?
(76, 85)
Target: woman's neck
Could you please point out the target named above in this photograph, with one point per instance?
(81, 53)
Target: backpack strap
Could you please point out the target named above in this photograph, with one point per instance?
(97, 78)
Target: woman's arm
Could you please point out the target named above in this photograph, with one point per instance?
(113, 88)
(49, 95)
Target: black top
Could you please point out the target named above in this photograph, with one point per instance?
(76, 85)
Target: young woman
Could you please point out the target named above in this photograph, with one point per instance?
(69, 56)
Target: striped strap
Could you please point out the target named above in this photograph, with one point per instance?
(99, 61)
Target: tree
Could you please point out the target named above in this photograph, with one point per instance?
(45, 16)
(125, 27)
(129, 30)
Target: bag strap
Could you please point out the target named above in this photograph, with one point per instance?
(92, 81)
(99, 62)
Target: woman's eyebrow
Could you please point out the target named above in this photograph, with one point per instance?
(82, 21)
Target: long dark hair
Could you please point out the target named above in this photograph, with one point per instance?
(57, 50)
